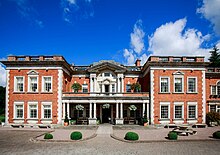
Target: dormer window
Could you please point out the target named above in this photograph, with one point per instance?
(107, 74)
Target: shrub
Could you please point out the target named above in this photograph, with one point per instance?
(212, 117)
(131, 136)
(216, 134)
(48, 136)
(76, 135)
(172, 135)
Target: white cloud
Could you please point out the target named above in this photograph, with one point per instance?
(137, 37)
(71, 1)
(210, 11)
(2, 76)
(129, 56)
(172, 39)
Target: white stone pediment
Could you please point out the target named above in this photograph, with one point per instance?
(32, 72)
(178, 73)
(107, 65)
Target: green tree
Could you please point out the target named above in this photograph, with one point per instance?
(76, 87)
(2, 100)
(215, 57)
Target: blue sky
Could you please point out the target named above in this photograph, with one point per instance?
(86, 31)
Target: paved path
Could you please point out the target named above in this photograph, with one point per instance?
(104, 130)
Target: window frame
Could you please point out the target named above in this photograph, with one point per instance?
(196, 110)
(168, 84)
(29, 110)
(44, 84)
(127, 89)
(174, 109)
(165, 104)
(196, 84)
(16, 83)
(178, 77)
(15, 110)
(83, 88)
(29, 83)
(42, 110)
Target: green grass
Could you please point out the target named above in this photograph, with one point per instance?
(2, 118)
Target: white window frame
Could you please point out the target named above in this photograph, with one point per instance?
(168, 84)
(215, 90)
(178, 76)
(15, 109)
(85, 86)
(16, 83)
(42, 110)
(29, 109)
(29, 83)
(43, 83)
(165, 104)
(174, 112)
(196, 86)
(196, 112)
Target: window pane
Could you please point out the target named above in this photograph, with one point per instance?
(47, 111)
(19, 111)
(164, 85)
(178, 85)
(33, 111)
(178, 111)
(191, 84)
(113, 88)
(20, 85)
(33, 84)
(47, 84)
(84, 88)
(164, 111)
(107, 74)
(192, 111)
(213, 90)
(128, 88)
(213, 108)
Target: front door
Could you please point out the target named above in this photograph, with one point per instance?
(106, 115)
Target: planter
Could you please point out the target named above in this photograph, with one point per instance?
(145, 124)
(66, 124)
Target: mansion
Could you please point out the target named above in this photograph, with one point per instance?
(166, 90)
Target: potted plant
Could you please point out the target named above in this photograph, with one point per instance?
(144, 120)
(66, 120)
(78, 108)
(132, 108)
(106, 106)
(76, 87)
(136, 87)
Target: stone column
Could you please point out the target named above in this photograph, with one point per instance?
(144, 105)
(90, 110)
(68, 110)
(64, 110)
(121, 116)
(94, 116)
(117, 110)
(91, 85)
(148, 112)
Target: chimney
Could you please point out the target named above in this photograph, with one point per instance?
(138, 62)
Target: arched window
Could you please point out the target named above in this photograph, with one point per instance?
(218, 88)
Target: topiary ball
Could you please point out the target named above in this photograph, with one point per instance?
(216, 134)
(131, 136)
(172, 135)
(48, 136)
(76, 135)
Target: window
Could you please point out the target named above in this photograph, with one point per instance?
(164, 110)
(47, 110)
(33, 110)
(178, 84)
(213, 90)
(164, 84)
(106, 74)
(128, 88)
(218, 88)
(178, 111)
(47, 84)
(113, 88)
(84, 88)
(35, 59)
(176, 59)
(212, 108)
(192, 110)
(33, 87)
(19, 84)
(190, 60)
(163, 59)
(19, 110)
(192, 85)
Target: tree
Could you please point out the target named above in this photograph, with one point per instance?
(76, 87)
(2, 99)
(136, 87)
(215, 57)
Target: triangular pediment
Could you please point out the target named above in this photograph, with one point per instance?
(178, 73)
(32, 72)
(107, 65)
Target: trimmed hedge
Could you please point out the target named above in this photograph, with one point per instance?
(48, 136)
(131, 136)
(216, 134)
(172, 135)
(76, 135)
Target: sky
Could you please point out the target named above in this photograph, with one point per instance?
(87, 31)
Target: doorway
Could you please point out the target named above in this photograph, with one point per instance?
(106, 88)
(106, 115)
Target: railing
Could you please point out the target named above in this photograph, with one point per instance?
(129, 94)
